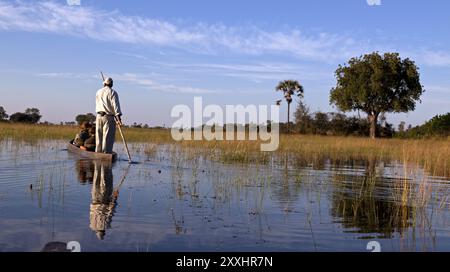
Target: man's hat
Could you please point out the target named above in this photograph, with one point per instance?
(108, 81)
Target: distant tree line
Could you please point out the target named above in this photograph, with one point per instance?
(71, 123)
(438, 126)
(90, 117)
(334, 123)
(140, 125)
(30, 116)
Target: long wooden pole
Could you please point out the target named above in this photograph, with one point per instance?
(119, 125)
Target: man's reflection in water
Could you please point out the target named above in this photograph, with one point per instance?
(85, 170)
(103, 202)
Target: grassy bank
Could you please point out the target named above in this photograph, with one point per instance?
(29, 132)
(301, 150)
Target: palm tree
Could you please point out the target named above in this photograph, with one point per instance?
(289, 88)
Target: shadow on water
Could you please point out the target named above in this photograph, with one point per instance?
(85, 170)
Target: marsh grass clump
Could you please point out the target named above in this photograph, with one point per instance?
(150, 150)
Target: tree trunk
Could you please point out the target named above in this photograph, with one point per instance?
(288, 120)
(373, 119)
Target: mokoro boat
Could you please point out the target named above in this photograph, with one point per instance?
(91, 155)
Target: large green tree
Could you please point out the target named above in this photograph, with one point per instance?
(303, 119)
(377, 84)
(34, 114)
(290, 88)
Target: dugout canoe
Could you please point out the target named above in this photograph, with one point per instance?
(91, 155)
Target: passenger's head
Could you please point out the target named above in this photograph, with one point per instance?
(86, 125)
(92, 131)
(108, 82)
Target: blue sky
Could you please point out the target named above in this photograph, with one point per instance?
(163, 53)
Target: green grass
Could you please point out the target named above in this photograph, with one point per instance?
(28, 132)
(301, 150)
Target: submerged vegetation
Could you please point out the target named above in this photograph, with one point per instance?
(253, 205)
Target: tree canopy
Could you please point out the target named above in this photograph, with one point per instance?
(289, 88)
(3, 115)
(31, 115)
(88, 117)
(335, 123)
(377, 84)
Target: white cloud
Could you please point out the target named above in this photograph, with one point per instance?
(374, 2)
(437, 102)
(113, 26)
(148, 83)
(438, 89)
(436, 58)
(130, 55)
(144, 81)
(255, 71)
(64, 76)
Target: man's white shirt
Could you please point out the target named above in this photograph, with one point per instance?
(107, 100)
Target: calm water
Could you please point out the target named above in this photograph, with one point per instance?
(175, 201)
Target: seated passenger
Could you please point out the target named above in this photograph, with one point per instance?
(89, 144)
(83, 135)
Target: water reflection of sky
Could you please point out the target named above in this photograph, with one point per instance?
(175, 202)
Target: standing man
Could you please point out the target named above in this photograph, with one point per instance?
(108, 111)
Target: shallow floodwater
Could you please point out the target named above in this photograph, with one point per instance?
(175, 200)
